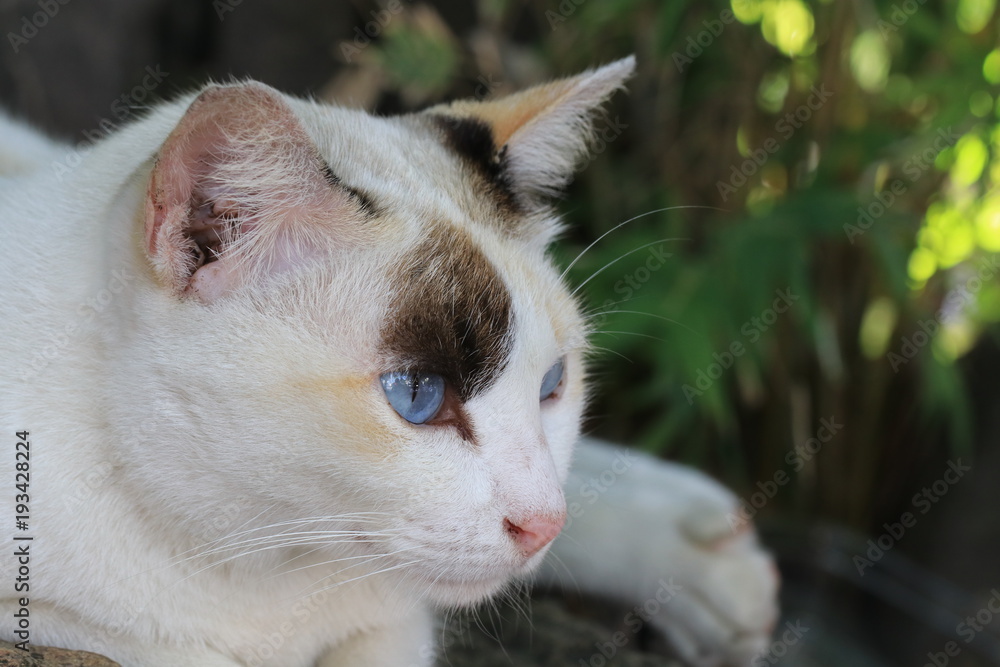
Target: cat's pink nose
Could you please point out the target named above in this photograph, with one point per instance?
(534, 532)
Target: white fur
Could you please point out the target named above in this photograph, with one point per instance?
(221, 481)
(22, 149)
(721, 605)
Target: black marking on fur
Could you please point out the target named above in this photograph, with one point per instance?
(328, 174)
(363, 199)
(452, 314)
(472, 140)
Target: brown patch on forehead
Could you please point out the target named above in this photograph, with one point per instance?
(472, 140)
(451, 314)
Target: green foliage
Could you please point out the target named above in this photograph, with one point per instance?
(845, 154)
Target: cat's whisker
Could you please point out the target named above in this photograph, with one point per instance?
(297, 538)
(311, 589)
(621, 257)
(268, 547)
(521, 601)
(473, 615)
(430, 586)
(247, 522)
(569, 573)
(588, 314)
(289, 533)
(640, 312)
(369, 574)
(319, 538)
(200, 550)
(622, 224)
(497, 636)
(304, 554)
(441, 629)
(399, 582)
(359, 517)
(364, 558)
(632, 333)
(530, 610)
(338, 560)
(598, 348)
(210, 566)
(320, 547)
(592, 313)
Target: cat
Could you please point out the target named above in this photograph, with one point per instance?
(282, 378)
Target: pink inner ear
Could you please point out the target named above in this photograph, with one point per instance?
(237, 182)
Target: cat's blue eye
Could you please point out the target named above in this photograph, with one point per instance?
(551, 380)
(416, 396)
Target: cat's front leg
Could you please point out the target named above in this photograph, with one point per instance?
(56, 628)
(673, 541)
(173, 658)
(407, 642)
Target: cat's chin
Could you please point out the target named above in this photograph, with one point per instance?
(465, 593)
(470, 591)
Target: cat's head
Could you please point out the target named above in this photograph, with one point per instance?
(352, 321)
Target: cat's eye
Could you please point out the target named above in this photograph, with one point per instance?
(416, 396)
(551, 380)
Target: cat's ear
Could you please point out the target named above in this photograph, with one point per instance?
(238, 191)
(540, 134)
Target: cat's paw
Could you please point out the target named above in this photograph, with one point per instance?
(667, 540)
(726, 606)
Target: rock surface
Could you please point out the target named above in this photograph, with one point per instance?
(555, 637)
(39, 656)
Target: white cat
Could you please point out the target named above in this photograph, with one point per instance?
(293, 375)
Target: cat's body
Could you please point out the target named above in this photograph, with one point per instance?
(198, 313)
